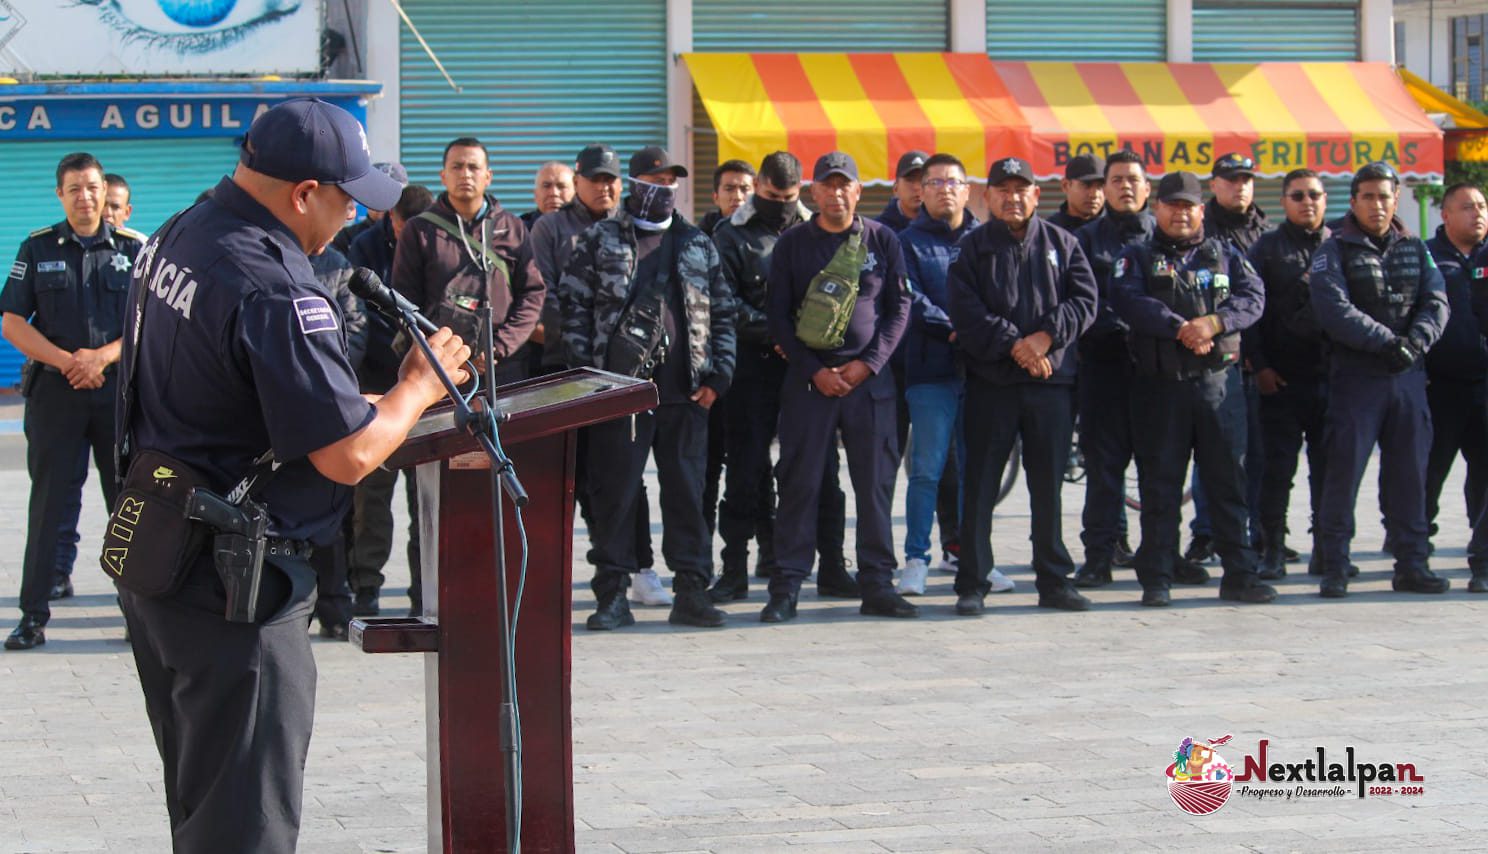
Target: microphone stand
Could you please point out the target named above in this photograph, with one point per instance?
(482, 426)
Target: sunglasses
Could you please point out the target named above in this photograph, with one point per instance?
(1299, 195)
(1233, 162)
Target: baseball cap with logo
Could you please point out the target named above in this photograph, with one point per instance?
(307, 139)
(597, 159)
(835, 163)
(1233, 166)
(1009, 167)
(1085, 167)
(909, 163)
(1180, 187)
(1376, 171)
(394, 171)
(653, 159)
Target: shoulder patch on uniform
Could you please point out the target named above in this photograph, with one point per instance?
(1120, 269)
(315, 314)
(1477, 272)
(1319, 263)
(40, 231)
(18, 270)
(130, 233)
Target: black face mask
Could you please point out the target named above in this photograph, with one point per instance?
(651, 204)
(774, 214)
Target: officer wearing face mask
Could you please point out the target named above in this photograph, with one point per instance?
(642, 294)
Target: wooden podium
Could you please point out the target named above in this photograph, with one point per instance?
(458, 629)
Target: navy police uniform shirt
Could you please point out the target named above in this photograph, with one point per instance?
(73, 289)
(241, 350)
(882, 309)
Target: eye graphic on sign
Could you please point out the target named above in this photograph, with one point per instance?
(190, 26)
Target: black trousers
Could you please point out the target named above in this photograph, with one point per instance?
(1207, 417)
(1042, 415)
(231, 706)
(1459, 421)
(809, 426)
(60, 423)
(677, 433)
(1103, 392)
(1294, 414)
(1391, 411)
(752, 412)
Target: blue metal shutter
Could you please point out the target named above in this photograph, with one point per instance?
(165, 175)
(790, 26)
(540, 80)
(1275, 31)
(1082, 31)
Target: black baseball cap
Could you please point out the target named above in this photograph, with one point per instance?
(653, 159)
(910, 162)
(307, 139)
(1180, 187)
(1009, 167)
(1376, 171)
(1233, 166)
(835, 163)
(1085, 167)
(597, 159)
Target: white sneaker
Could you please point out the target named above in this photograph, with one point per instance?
(1000, 583)
(950, 562)
(646, 589)
(912, 582)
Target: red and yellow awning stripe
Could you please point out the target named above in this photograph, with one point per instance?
(1329, 117)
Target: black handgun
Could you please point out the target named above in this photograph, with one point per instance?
(241, 533)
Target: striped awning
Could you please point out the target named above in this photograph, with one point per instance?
(1464, 126)
(1329, 117)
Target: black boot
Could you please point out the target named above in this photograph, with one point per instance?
(1479, 581)
(780, 609)
(1273, 563)
(1124, 557)
(695, 608)
(1095, 573)
(613, 613)
(733, 583)
(366, 603)
(1420, 580)
(834, 581)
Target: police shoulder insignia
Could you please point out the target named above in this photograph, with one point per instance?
(131, 233)
(1477, 272)
(1319, 262)
(1120, 269)
(315, 315)
(1247, 266)
(40, 231)
(18, 270)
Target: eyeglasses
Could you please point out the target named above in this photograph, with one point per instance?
(944, 183)
(1299, 195)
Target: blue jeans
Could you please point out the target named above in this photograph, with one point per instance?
(935, 417)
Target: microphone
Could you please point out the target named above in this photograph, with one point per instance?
(365, 284)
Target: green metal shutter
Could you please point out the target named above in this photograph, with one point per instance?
(790, 26)
(1275, 31)
(540, 80)
(1082, 31)
(165, 176)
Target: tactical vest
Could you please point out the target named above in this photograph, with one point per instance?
(1384, 286)
(1189, 294)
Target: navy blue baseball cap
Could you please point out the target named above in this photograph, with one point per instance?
(307, 139)
(835, 163)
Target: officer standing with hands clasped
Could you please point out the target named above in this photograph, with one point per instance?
(233, 350)
(837, 307)
(63, 307)
(1187, 297)
(1381, 301)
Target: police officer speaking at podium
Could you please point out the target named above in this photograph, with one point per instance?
(233, 350)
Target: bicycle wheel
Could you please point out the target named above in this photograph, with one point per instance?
(1134, 496)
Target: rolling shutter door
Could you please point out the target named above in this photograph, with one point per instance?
(1084, 31)
(1275, 30)
(524, 96)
